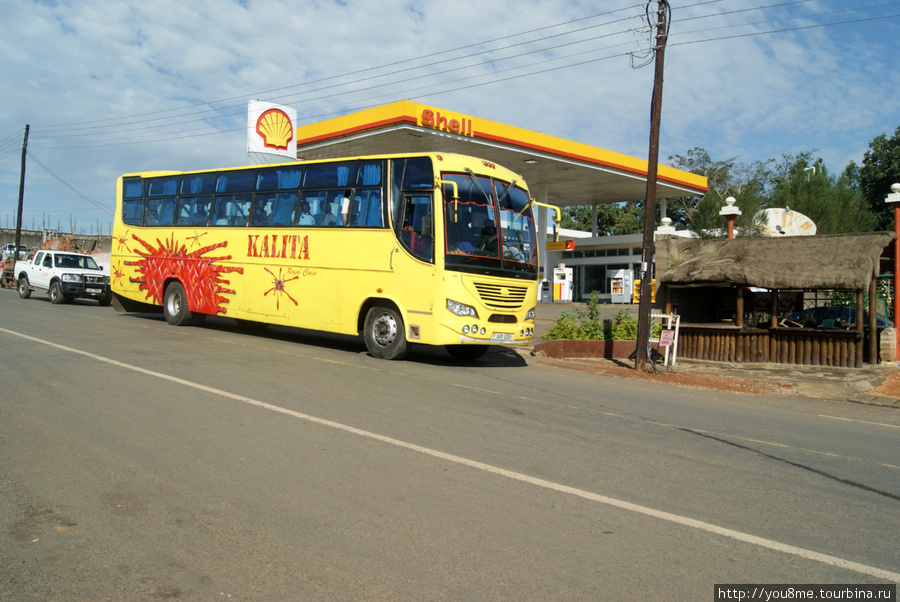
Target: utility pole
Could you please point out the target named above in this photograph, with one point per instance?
(21, 195)
(643, 334)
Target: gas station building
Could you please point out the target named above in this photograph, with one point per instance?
(557, 171)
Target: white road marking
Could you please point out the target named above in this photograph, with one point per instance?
(890, 426)
(516, 476)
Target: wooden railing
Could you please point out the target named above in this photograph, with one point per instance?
(804, 346)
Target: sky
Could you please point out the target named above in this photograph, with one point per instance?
(117, 86)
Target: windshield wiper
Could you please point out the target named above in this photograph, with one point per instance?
(505, 192)
(478, 185)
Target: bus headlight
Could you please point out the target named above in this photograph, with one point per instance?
(461, 309)
(530, 314)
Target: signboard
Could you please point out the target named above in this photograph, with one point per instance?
(271, 134)
(666, 337)
(563, 245)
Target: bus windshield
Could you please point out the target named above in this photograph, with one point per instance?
(489, 227)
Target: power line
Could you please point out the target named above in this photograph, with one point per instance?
(231, 112)
(785, 30)
(115, 120)
(96, 204)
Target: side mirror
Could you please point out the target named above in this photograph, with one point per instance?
(535, 203)
(455, 198)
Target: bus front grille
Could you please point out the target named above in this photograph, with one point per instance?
(501, 297)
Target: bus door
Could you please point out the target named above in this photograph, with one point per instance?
(414, 263)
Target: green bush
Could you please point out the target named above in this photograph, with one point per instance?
(584, 324)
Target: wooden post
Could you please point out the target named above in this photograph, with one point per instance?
(643, 334)
(894, 199)
(860, 327)
(873, 320)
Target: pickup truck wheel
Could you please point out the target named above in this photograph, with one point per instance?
(105, 301)
(175, 305)
(56, 295)
(24, 289)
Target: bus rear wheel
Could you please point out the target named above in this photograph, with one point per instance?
(385, 334)
(175, 305)
(466, 352)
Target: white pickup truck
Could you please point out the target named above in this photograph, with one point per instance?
(64, 276)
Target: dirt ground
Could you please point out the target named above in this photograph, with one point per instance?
(890, 387)
(695, 378)
(788, 383)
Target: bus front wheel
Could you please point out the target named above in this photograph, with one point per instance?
(175, 305)
(384, 333)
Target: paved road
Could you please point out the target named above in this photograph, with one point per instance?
(143, 461)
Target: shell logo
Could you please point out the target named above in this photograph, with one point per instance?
(275, 128)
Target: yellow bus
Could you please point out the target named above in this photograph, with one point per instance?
(426, 248)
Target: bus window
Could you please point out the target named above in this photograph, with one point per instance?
(329, 175)
(415, 228)
(232, 210)
(366, 209)
(333, 207)
(471, 227)
(132, 212)
(167, 186)
(369, 174)
(204, 183)
(517, 227)
(183, 212)
(198, 210)
(236, 181)
(262, 210)
(415, 173)
(283, 209)
(160, 212)
(132, 188)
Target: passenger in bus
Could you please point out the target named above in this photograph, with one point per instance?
(200, 213)
(261, 211)
(221, 218)
(333, 217)
(305, 218)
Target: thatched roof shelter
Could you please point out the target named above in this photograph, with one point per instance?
(832, 262)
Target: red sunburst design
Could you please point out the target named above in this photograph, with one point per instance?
(118, 274)
(123, 241)
(201, 277)
(196, 238)
(278, 288)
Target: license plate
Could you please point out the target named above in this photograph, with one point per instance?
(94, 291)
(501, 336)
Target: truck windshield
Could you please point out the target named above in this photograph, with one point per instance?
(83, 262)
(489, 227)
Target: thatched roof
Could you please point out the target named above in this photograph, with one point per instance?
(838, 261)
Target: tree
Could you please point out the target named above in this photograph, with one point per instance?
(747, 183)
(612, 218)
(880, 169)
(576, 218)
(833, 203)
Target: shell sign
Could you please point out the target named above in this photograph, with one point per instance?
(270, 130)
